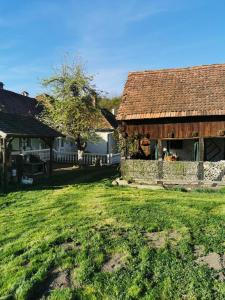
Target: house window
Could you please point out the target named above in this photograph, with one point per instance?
(176, 144)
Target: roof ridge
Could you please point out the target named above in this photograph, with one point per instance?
(176, 69)
(17, 94)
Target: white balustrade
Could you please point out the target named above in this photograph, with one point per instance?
(43, 154)
(88, 158)
(72, 157)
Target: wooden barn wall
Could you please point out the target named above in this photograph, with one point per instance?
(180, 130)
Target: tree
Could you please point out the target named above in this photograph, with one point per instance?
(70, 105)
(110, 103)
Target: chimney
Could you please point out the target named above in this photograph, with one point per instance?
(1, 85)
(24, 93)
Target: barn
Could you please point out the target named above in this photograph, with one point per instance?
(173, 124)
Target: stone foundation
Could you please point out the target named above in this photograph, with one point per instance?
(177, 172)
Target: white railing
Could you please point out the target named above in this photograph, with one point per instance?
(88, 158)
(72, 157)
(65, 157)
(43, 154)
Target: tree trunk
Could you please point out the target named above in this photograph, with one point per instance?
(81, 145)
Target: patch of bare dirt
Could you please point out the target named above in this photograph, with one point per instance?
(71, 246)
(156, 239)
(57, 279)
(117, 261)
(60, 279)
(199, 250)
(159, 239)
(221, 276)
(174, 237)
(213, 260)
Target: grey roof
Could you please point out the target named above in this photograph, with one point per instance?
(14, 125)
(14, 103)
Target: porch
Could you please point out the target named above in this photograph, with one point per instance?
(15, 167)
(198, 149)
(196, 161)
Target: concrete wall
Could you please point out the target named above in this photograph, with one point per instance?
(104, 145)
(100, 146)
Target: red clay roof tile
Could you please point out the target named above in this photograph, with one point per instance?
(193, 91)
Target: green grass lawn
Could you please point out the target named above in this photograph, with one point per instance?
(68, 234)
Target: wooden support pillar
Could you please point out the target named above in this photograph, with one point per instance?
(160, 150)
(126, 147)
(201, 149)
(160, 160)
(201, 160)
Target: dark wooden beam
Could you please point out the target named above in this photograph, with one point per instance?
(188, 130)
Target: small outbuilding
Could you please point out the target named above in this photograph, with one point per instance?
(19, 125)
(177, 117)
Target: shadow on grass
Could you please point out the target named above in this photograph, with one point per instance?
(59, 179)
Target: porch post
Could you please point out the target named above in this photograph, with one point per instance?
(160, 150)
(201, 149)
(201, 159)
(126, 148)
(160, 161)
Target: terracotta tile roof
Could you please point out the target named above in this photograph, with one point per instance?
(107, 121)
(193, 91)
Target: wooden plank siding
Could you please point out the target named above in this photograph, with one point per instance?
(179, 130)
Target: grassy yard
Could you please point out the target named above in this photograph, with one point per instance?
(86, 239)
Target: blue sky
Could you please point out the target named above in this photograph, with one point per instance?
(112, 37)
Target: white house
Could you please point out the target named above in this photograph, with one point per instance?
(105, 142)
(64, 149)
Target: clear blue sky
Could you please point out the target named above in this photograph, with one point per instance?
(112, 37)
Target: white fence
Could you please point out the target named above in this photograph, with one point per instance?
(88, 158)
(72, 157)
